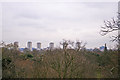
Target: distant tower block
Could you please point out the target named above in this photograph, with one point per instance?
(29, 45)
(38, 46)
(16, 45)
(51, 45)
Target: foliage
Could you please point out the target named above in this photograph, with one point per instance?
(59, 63)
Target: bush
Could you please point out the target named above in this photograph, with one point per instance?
(29, 56)
(6, 62)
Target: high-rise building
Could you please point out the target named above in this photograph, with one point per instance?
(29, 45)
(51, 46)
(16, 45)
(38, 46)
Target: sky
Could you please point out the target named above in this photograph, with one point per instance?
(54, 21)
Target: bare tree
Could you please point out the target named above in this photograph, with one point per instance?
(65, 43)
(2, 44)
(80, 45)
(110, 26)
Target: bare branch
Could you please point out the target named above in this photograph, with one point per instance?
(110, 26)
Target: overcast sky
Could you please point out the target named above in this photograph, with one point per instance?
(53, 21)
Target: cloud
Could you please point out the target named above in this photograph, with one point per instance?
(54, 21)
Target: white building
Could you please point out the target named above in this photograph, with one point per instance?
(29, 45)
(51, 46)
(38, 46)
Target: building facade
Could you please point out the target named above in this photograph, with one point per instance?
(51, 46)
(29, 46)
(38, 46)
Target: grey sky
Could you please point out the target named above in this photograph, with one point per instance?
(54, 21)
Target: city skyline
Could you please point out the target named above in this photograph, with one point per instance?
(52, 22)
(51, 45)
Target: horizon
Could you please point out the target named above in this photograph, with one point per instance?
(58, 46)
